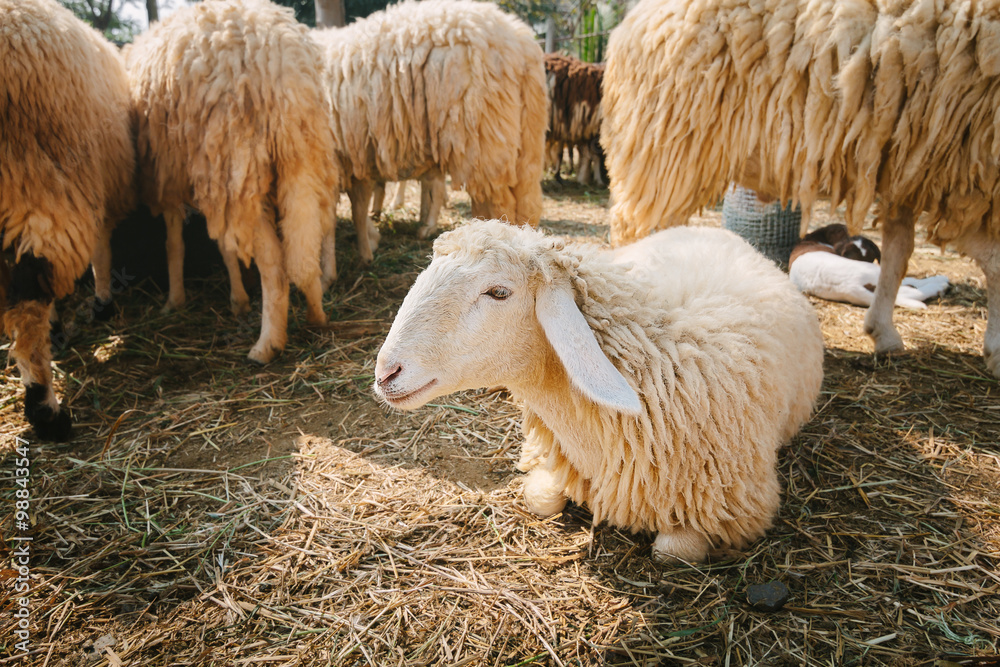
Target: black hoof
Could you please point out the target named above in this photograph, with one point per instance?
(103, 310)
(55, 426)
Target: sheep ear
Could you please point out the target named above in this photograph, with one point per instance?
(587, 366)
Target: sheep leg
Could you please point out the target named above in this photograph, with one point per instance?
(683, 545)
(174, 218)
(986, 252)
(239, 302)
(360, 194)
(559, 161)
(897, 246)
(26, 322)
(378, 198)
(274, 287)
(432, 194)
(400, 198)
(101, 265)
(584, 175)
(991, 342)
(328, 259)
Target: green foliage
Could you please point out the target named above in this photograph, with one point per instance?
(105, 16)
(586, 26)
(532, 12)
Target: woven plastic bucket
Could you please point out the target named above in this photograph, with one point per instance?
(770, 228)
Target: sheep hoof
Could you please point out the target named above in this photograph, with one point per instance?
(262, 354)
(316, 318)
(680, 546)
(992, 359)
(425, 232)
(170, 307)
(887, 339)
(240, 307)
(50, 424)
(102, 310)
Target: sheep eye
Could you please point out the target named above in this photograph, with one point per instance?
(497, 292)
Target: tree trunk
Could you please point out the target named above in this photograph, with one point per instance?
(152, 11)
(330, 13)
(550, 34)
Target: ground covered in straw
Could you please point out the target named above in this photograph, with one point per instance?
(210, 512)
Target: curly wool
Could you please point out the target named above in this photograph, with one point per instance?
(456, 85)
(67, 159)
(233, 120)
(860, 100)
(726, 358)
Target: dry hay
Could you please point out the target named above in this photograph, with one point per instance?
(214, 513)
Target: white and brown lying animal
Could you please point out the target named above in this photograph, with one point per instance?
(831, 264)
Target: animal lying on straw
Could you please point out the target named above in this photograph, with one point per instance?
(67, 164)
(798, 99)
(830, 264)
(447, 86)
(574, 89)
(658, 382)
(233, 120)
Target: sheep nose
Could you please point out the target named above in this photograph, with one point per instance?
(388, 374)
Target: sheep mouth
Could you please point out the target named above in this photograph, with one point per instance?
(399, 399)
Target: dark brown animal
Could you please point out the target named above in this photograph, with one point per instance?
(574, 89)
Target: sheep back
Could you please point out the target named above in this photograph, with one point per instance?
(454, 84)
(799, 99)
(726, 356)
(67, 159)
(234, 120)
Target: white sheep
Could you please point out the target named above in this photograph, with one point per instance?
(67, 164)
(830, 264)
(803, 98)
(658, 381)
(233, 119)
(447, 85)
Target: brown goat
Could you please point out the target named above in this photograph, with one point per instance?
(574, 89)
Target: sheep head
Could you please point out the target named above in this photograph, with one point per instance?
(492, 308)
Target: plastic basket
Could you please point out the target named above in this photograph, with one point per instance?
(770, 228)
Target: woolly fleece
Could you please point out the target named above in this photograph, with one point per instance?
(233, 120)
(858, 98)
(67, 159)
(454, 84)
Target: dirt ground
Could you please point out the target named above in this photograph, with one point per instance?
(209, 511)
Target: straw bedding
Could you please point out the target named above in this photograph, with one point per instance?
(215, 514)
